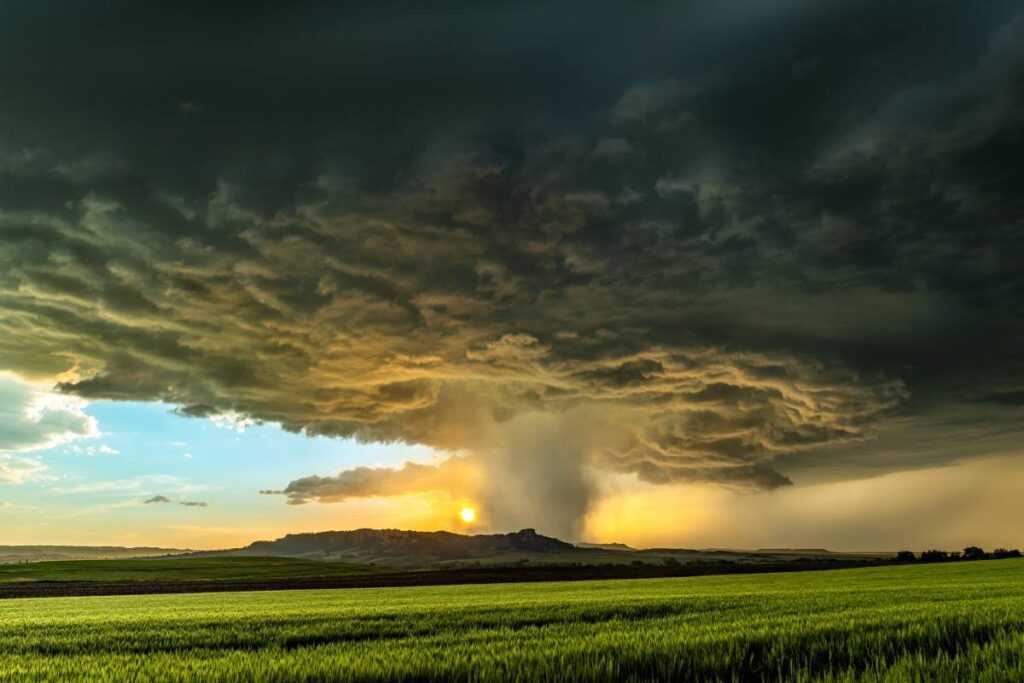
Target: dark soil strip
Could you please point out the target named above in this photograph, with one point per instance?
(42, 589)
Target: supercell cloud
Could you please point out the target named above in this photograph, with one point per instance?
(534, 237)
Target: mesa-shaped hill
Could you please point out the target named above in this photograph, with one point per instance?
(408, 548)
(398, 548)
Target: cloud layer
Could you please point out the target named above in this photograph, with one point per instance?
(33, 418)
(549, 257)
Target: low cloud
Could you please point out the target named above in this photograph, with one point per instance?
(15, 470)
(195, 503)
(34, 418)
(102, 449)
(157, 499)
(143, 485)
(361, 482)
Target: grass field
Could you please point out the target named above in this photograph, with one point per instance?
(957, 621)
(192, 569)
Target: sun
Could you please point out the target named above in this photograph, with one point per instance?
(468, 515)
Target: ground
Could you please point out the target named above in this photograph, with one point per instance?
(217, 568)
(956, 621)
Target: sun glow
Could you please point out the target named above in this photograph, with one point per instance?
(468, 515)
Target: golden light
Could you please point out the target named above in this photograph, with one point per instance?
(468, 515)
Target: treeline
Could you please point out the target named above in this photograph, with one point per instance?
(971, 552)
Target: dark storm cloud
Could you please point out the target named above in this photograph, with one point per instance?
(739, 233)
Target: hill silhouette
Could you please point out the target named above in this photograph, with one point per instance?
(438, 549)
(399, 547)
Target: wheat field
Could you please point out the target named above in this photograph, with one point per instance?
(957, 621)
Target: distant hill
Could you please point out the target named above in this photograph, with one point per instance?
(822, 552)
(605, 546)
(13, 554)
(790, 551)
(438, 549)
(408, 548)
(432, 549)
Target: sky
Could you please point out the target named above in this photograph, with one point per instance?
(732, 274)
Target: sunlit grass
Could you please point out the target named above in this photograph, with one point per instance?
(962, 621)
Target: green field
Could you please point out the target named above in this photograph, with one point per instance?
(957, 621)
(191, 569)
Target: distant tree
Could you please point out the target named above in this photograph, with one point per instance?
(905, 556)
(670, 561)
(1003, 553)
(956, 555)
(973, 552)
(934, 556)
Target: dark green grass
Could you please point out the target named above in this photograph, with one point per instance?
(957, 622)
(191, 569)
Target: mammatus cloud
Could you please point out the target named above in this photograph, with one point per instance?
(157, 499)
(682, 274)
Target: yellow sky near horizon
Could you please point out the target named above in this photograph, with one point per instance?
(975, 502)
